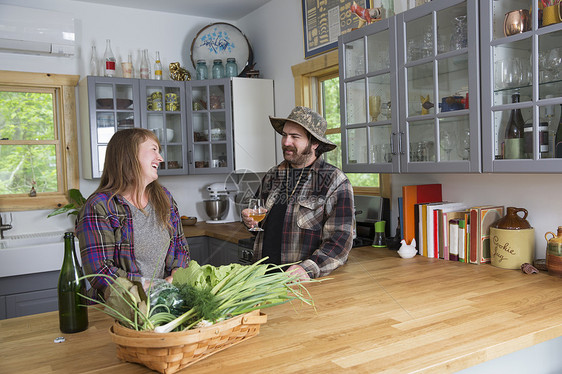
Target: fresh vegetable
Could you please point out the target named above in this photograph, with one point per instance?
(201, 295)
(234, 289)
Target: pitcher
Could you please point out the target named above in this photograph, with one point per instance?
(554, 252)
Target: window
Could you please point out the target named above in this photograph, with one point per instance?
(38, 144)
(317, 86)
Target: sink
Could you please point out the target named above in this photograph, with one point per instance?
(33, 253)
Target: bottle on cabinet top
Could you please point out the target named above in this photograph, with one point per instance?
(218, 69)
(144, 67)
(109, 60)
(201, 69)
(231, 67)
(94, 62)
(158, 67)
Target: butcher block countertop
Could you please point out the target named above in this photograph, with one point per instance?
(377, 314)
(230, 232)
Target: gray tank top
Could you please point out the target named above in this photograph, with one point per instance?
(151, 242)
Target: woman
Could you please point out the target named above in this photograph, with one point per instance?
(130, 226)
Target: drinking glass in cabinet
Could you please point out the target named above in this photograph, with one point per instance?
(379, 93)
(452, 28)
(421, 132)
(378, 51)
(354, 58)
(355, 102)
(357, 146)
(419, 34)
(380, 151)
(454, 138)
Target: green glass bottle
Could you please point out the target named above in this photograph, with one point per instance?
(73, 317)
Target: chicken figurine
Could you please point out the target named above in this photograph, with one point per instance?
(366, 15)
(408, 250)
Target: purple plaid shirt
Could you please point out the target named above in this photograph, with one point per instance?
(319, 221)
(104, 229)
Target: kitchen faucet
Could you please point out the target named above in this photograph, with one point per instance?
(3, 227)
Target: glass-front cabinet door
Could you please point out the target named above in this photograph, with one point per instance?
(112, 104)
(521, 85)
(164, 114)
(439, 88)
(210, 126)
(368, 82)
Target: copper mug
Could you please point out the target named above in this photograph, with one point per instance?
(516, 22)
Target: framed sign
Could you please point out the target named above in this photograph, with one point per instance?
(324, 21)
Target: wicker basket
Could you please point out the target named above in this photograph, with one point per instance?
(173, 351)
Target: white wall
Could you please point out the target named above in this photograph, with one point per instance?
(276, 35)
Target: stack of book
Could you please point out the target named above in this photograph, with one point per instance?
(447, 230)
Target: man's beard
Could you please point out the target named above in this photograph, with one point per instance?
(298, 159)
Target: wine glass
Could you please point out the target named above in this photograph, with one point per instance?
(257, 212)
(447, 143)
(465, 143)
(375, 107)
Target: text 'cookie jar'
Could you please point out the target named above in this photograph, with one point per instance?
(512, 240)
(554, 252)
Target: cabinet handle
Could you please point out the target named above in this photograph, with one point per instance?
(189, 161)
(392, 151)
(400, 133)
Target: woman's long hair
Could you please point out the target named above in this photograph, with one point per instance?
(122, 171)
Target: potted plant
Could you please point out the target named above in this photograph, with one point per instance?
(76, 201)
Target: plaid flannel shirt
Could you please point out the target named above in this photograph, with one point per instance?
(104, 229)
(319, 221)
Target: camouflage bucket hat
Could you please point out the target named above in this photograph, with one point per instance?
(313, 122)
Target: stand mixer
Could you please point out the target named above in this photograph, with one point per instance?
(220, 207)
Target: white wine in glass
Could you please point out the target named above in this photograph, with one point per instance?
(257, 212)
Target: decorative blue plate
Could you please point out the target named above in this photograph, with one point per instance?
(220, 41)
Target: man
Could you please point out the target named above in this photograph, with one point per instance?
(310, 216)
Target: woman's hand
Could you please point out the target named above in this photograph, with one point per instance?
(170, 278)
(298, 270)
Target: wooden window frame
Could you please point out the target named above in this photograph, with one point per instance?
(305, 75)
(64, 90)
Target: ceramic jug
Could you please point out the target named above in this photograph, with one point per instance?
(554, 252)
(512, 240)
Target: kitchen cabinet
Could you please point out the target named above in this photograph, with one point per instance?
(106, 106)
(228, 124)
(164, 114)
(28, 294)
(527, 63)
(405, 85)
(198, 249)
(216, 252)
(204, 127)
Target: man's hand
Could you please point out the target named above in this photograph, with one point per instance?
(298, 270)
(248, 221)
